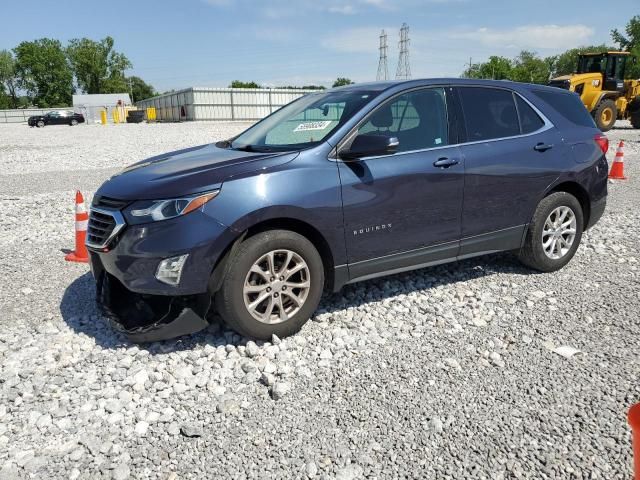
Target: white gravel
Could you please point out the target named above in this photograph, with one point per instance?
(444, 372)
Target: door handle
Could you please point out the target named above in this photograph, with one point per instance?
(543, 147)
(445, 162)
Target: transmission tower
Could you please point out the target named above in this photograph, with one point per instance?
(404, 68)
(383, 69)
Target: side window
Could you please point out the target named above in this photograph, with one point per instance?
(530, 121)
(418, 119)
(568, 105)
(489, 113)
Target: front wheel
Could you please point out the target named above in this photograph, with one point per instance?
(635, 119)
(273, 285)
(605, 115)
(554, 233)
(73, 122)
(40, 124)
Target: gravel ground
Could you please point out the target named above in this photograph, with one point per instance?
(446, 372)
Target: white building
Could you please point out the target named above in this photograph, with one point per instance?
(91, 105)
(198, 103)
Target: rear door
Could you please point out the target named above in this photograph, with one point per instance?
(403, 209)
(511, 156)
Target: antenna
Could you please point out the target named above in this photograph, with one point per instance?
(404, 68)
(383, 70)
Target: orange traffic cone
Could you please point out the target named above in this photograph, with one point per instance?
(634, 422)
(82, 219)
(617, 169)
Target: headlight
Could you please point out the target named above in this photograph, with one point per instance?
(156, 210)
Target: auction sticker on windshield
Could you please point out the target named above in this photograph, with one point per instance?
(303, 127)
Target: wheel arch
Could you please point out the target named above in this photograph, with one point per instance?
(291, 224)
(578, 191)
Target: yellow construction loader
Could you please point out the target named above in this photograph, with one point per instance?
(599, 80)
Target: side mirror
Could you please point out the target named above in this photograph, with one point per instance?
(370, 145)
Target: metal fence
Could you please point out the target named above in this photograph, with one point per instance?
(21, 115)
(220, 103)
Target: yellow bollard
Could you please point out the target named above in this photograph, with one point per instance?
(116, 116)
(103, 117)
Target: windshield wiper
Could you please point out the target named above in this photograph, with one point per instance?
(253, 148)
(245, 148)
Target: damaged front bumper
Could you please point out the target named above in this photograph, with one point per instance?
(150, 318)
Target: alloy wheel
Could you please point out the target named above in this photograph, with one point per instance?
(559, 232)
(276, 286)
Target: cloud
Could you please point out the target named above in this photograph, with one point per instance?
(529, 36)
(274, 9)
(343, 9)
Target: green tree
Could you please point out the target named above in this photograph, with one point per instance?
(497, 68)
(140, 89)
(630, 42)
(43, 72)
(341, 81)
(529, 68)
(8, 81)
(98, 68)
(567, 62)
(241, 84)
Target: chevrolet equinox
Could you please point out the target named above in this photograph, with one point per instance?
(341, 186)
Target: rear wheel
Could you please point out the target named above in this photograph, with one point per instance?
(273, 285)
(605, 115)
(554, 233)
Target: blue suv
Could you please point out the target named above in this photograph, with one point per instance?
(341, 186)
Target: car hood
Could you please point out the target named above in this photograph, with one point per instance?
(183, 172)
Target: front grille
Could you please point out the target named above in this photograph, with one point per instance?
(103, 226)
(106, 202)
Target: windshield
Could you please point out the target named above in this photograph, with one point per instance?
(304, 122)
(592, 64)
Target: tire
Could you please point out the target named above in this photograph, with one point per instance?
(233, 302)
(73, 123)
(605, 115)
(40, 124)
(635, 119)
(533, 252)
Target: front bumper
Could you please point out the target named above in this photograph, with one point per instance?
(150, 318)
(139, 305)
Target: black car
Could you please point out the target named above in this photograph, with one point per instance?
(63, 117)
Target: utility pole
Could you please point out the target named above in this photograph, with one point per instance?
(404, 68)
(131, 91)
(383, 70)
(469, 69)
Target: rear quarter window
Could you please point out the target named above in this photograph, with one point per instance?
(568, 105)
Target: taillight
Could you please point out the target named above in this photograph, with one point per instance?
(602, 141)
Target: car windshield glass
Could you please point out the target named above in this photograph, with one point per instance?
(304, 122)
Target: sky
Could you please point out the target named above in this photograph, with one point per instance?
(181, 43)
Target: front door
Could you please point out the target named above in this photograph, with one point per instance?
(404, 209)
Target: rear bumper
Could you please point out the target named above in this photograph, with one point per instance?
(597, 210)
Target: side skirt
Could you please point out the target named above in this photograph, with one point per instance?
(498, 241)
